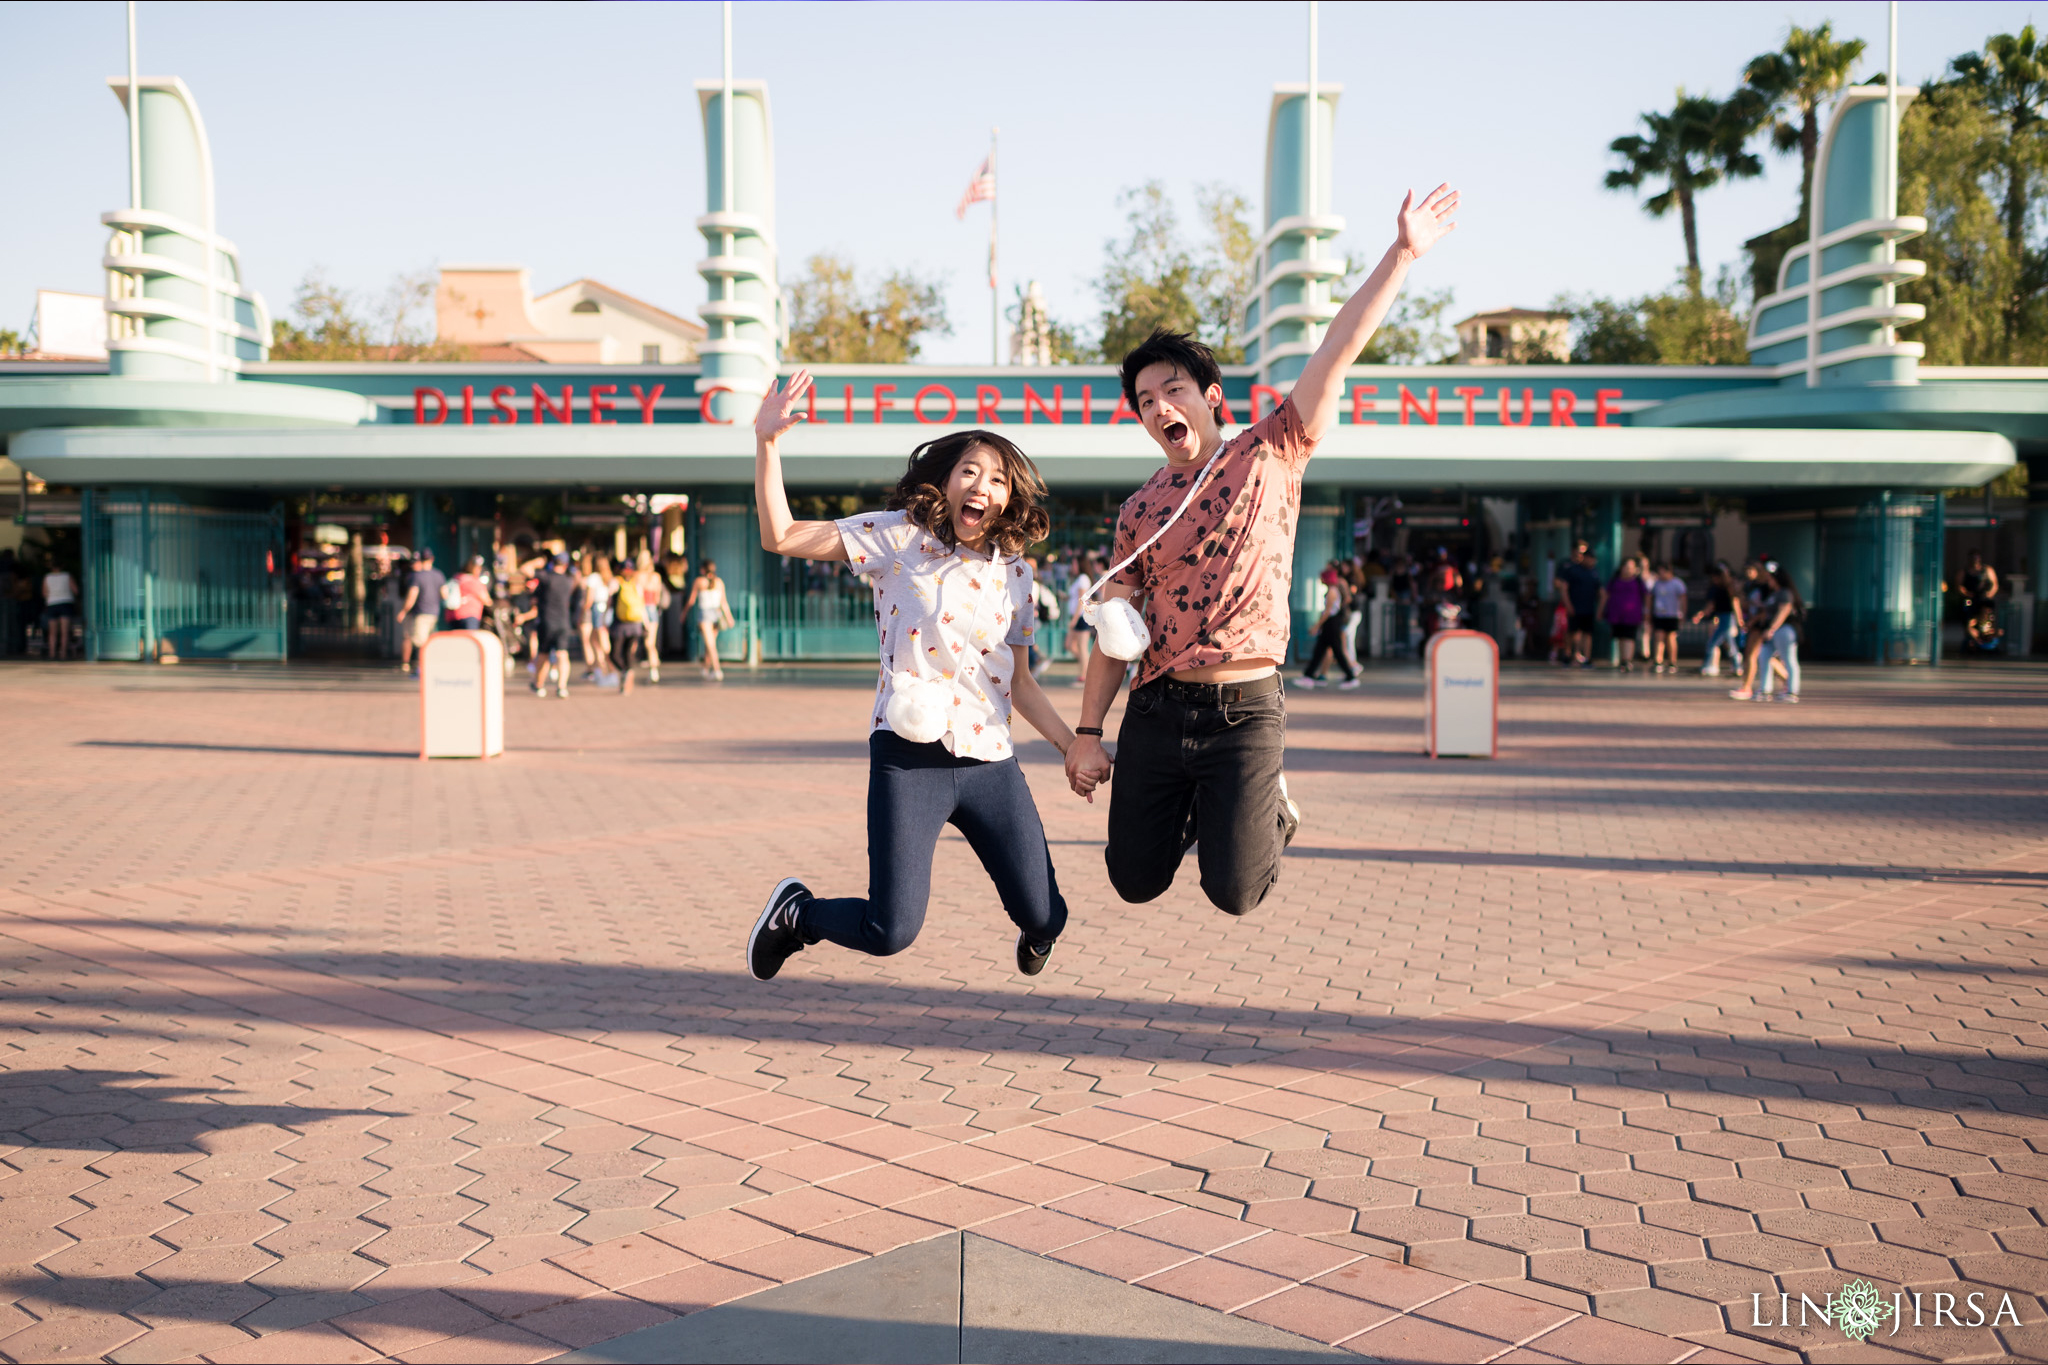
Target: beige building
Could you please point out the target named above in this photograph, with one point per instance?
(491, 310)
(1511, 336)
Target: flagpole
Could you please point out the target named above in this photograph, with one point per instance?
(995, 307)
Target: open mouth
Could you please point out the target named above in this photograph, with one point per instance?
(972, 515)
(1176, 432)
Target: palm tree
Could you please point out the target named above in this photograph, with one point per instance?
(1793, 83)
(2011, 77)
(1692, 148)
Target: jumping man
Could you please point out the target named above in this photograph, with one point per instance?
(1202, 738)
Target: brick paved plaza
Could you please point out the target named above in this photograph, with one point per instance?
(317, 1052)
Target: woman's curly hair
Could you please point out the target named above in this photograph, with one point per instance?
(921, 491)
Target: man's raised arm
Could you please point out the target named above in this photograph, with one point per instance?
(1417, 228)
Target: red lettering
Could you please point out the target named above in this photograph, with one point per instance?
(601, 405)
(646, 401)
(419, 407)
(1528, 408)
(811, 407)
(1409, 404)
(565, 413)
(849, 405)
(1087, 404)
(1562, 401)
(469, 405)
(1360, 404)
(704, 406)
(881, 402)
(1602, 409)
(506, 414)
(1054, 414)
(986, 396)
(1258, 389)
(952, 403)
(1227, 419)
(1468, 395)
(1123, 411)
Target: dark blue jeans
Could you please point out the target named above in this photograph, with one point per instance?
(914, 791)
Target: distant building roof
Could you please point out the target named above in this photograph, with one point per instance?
(1514, 315)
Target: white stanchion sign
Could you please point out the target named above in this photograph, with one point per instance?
(462, 695)
(1463, 671)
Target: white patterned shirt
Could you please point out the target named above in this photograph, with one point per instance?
(952, 615)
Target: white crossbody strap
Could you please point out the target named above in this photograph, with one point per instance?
(1132, 557)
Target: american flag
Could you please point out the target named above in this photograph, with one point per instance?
(983, 186)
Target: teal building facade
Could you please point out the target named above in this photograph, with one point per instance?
(1834, 442)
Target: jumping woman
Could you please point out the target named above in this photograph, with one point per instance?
(954, 610)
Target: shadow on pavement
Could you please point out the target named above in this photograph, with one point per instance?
(109, 1111)
(1981, 876)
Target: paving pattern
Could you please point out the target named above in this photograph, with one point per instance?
(316, 1052)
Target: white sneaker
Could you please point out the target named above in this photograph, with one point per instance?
(1349, 684)
(1307, 684)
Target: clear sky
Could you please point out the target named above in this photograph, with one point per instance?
(371, 139)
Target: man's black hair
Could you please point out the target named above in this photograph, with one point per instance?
(1179, 350)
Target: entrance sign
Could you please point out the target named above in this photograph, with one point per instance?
(1463, 709)
(462, 695)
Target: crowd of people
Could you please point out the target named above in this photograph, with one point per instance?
(1756, 615)
(562, 611)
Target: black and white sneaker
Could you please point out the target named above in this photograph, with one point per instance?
(1290, 814)
(775, 935)
(1031, 958)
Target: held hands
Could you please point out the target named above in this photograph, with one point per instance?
(1418, 227)
(1088, 766)
(779, 411)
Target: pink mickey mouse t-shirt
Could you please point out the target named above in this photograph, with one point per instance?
(946, 614)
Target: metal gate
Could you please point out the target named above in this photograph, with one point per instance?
(164, 579)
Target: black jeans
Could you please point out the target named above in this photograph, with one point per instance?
(1219, 764)
(1329, 645)
(914, 790)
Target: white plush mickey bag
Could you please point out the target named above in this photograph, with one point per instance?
(1120, 631)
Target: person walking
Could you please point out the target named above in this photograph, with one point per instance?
(1080, 634)
(557, 592)
(1667, 614)
(1577, 587)
(1207, 543)
(1354, 613)
(954, 613)
(472, 597)
(710, 612)
(598, 586)
(653, 589)
(629, 628)
(60, 609)
(1727, 616)
(1781, 616)
(420, 611)
(1330, 635)
(1047, 604)
(1621, 606)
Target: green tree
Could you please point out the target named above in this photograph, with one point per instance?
(1979, 309)
(1684, 325)
(10, 341)
(1700, 142)
(2009, 78)
(1149, 278)
(328, 322)
(832, 319)
(1414, 332)
(1793, 84)
(1229, 270)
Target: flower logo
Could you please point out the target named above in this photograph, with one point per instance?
(1860, 1310)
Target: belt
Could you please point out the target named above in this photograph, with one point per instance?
(1220, 694)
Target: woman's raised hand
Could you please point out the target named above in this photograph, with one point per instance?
(779, 411)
